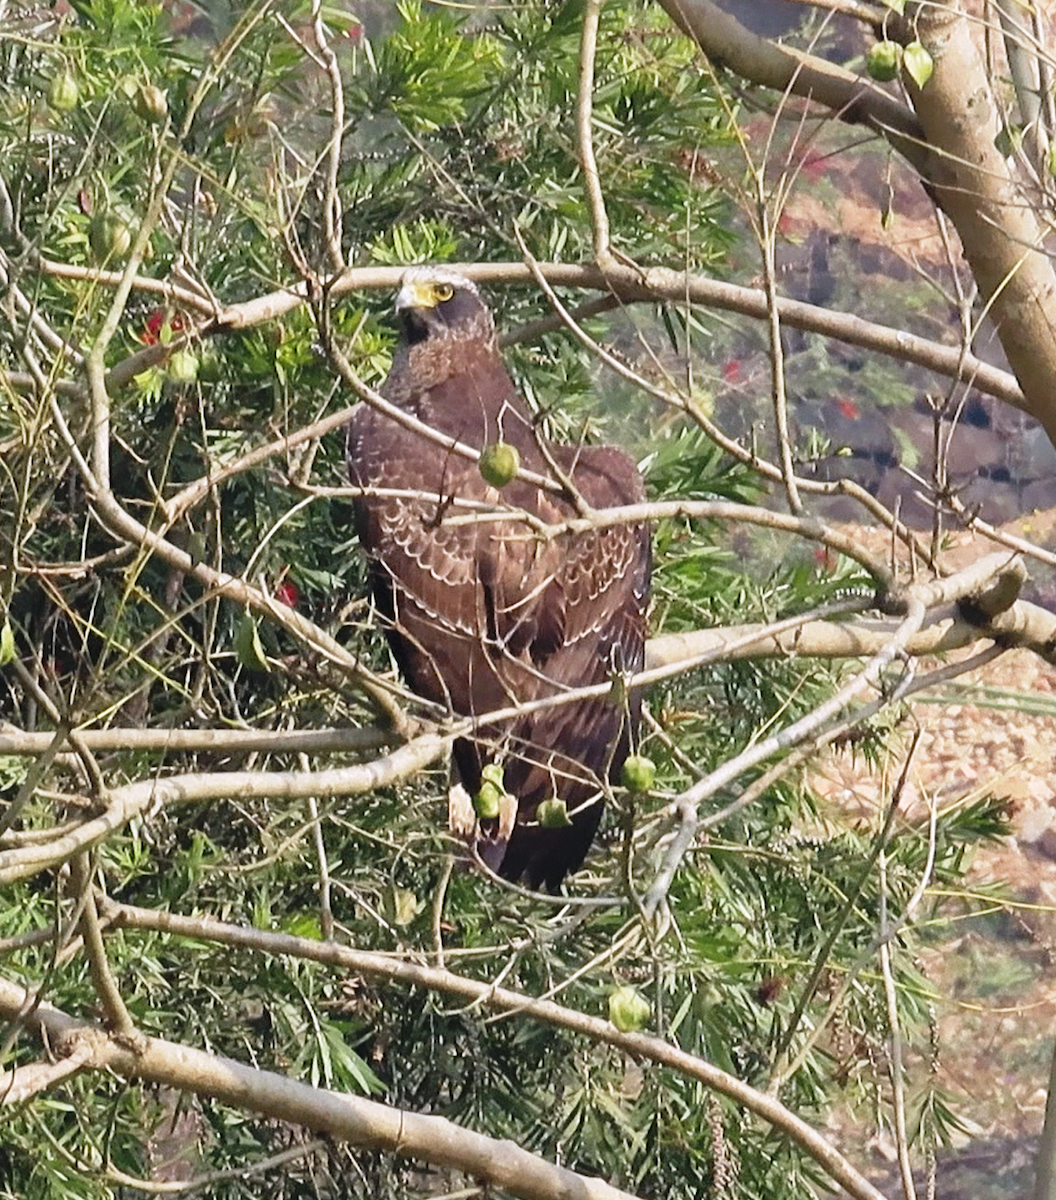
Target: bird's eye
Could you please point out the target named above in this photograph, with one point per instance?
(443, 291)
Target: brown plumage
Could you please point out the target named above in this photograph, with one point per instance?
(481, 616)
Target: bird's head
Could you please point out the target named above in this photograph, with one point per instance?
(437, 304)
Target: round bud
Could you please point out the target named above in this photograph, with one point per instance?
(884, 60)
(628, 1011)
(553, 814)
(498, 463)
(638, 773)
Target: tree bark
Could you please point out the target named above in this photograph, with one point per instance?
(1001, 236)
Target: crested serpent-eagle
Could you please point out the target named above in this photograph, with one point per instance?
(480, 612)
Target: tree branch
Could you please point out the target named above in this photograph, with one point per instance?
(353, 1119)
(955, 146)
(1001, 236)
(123, 803)
(919, 598)
(727, 43)
(628, 284)
(499, 999)
(204, 741)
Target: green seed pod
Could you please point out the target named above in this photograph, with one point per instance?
(488, 801)
(638, 774)
(884, 60)
(109, 237)
(499, 463)
(553, 814)
(628, 1011)
(182, 366)
(63, 93)
(197, 546)
(493, 773)
(405, 906)
(249, 650)
(7, 643)
(150, 104)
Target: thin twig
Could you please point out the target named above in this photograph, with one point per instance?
(326, 912)
(599, 219)
(767, 241)
(331, 198)
(117, 1015)
(895, 1065)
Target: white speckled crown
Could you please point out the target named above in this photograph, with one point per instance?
(430, 273)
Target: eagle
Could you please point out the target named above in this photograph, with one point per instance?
(482, 613)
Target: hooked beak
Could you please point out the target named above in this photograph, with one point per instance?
(415, 308)
(415, 295)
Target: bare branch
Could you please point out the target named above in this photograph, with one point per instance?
(197, 741)
(499, 999)
(630, 285)
(345, 1118)
(599, 218)
(123, 803)
(23, 1083)
(117, 1015)
(857, 101)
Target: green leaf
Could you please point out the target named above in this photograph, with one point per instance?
(249, 650)
(918, 63)
(7, 643)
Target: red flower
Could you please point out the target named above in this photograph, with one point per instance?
(849, 409)
(155, 325)
(731, 372)
(287, 593)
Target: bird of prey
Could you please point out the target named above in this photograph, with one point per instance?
(482, 613)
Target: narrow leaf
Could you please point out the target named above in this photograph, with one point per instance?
(7, 643)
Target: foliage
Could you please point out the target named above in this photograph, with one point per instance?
(456, 131)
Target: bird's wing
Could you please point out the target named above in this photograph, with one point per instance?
(459, 583)
(591, 627)
(484, 614)
(600, 593)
